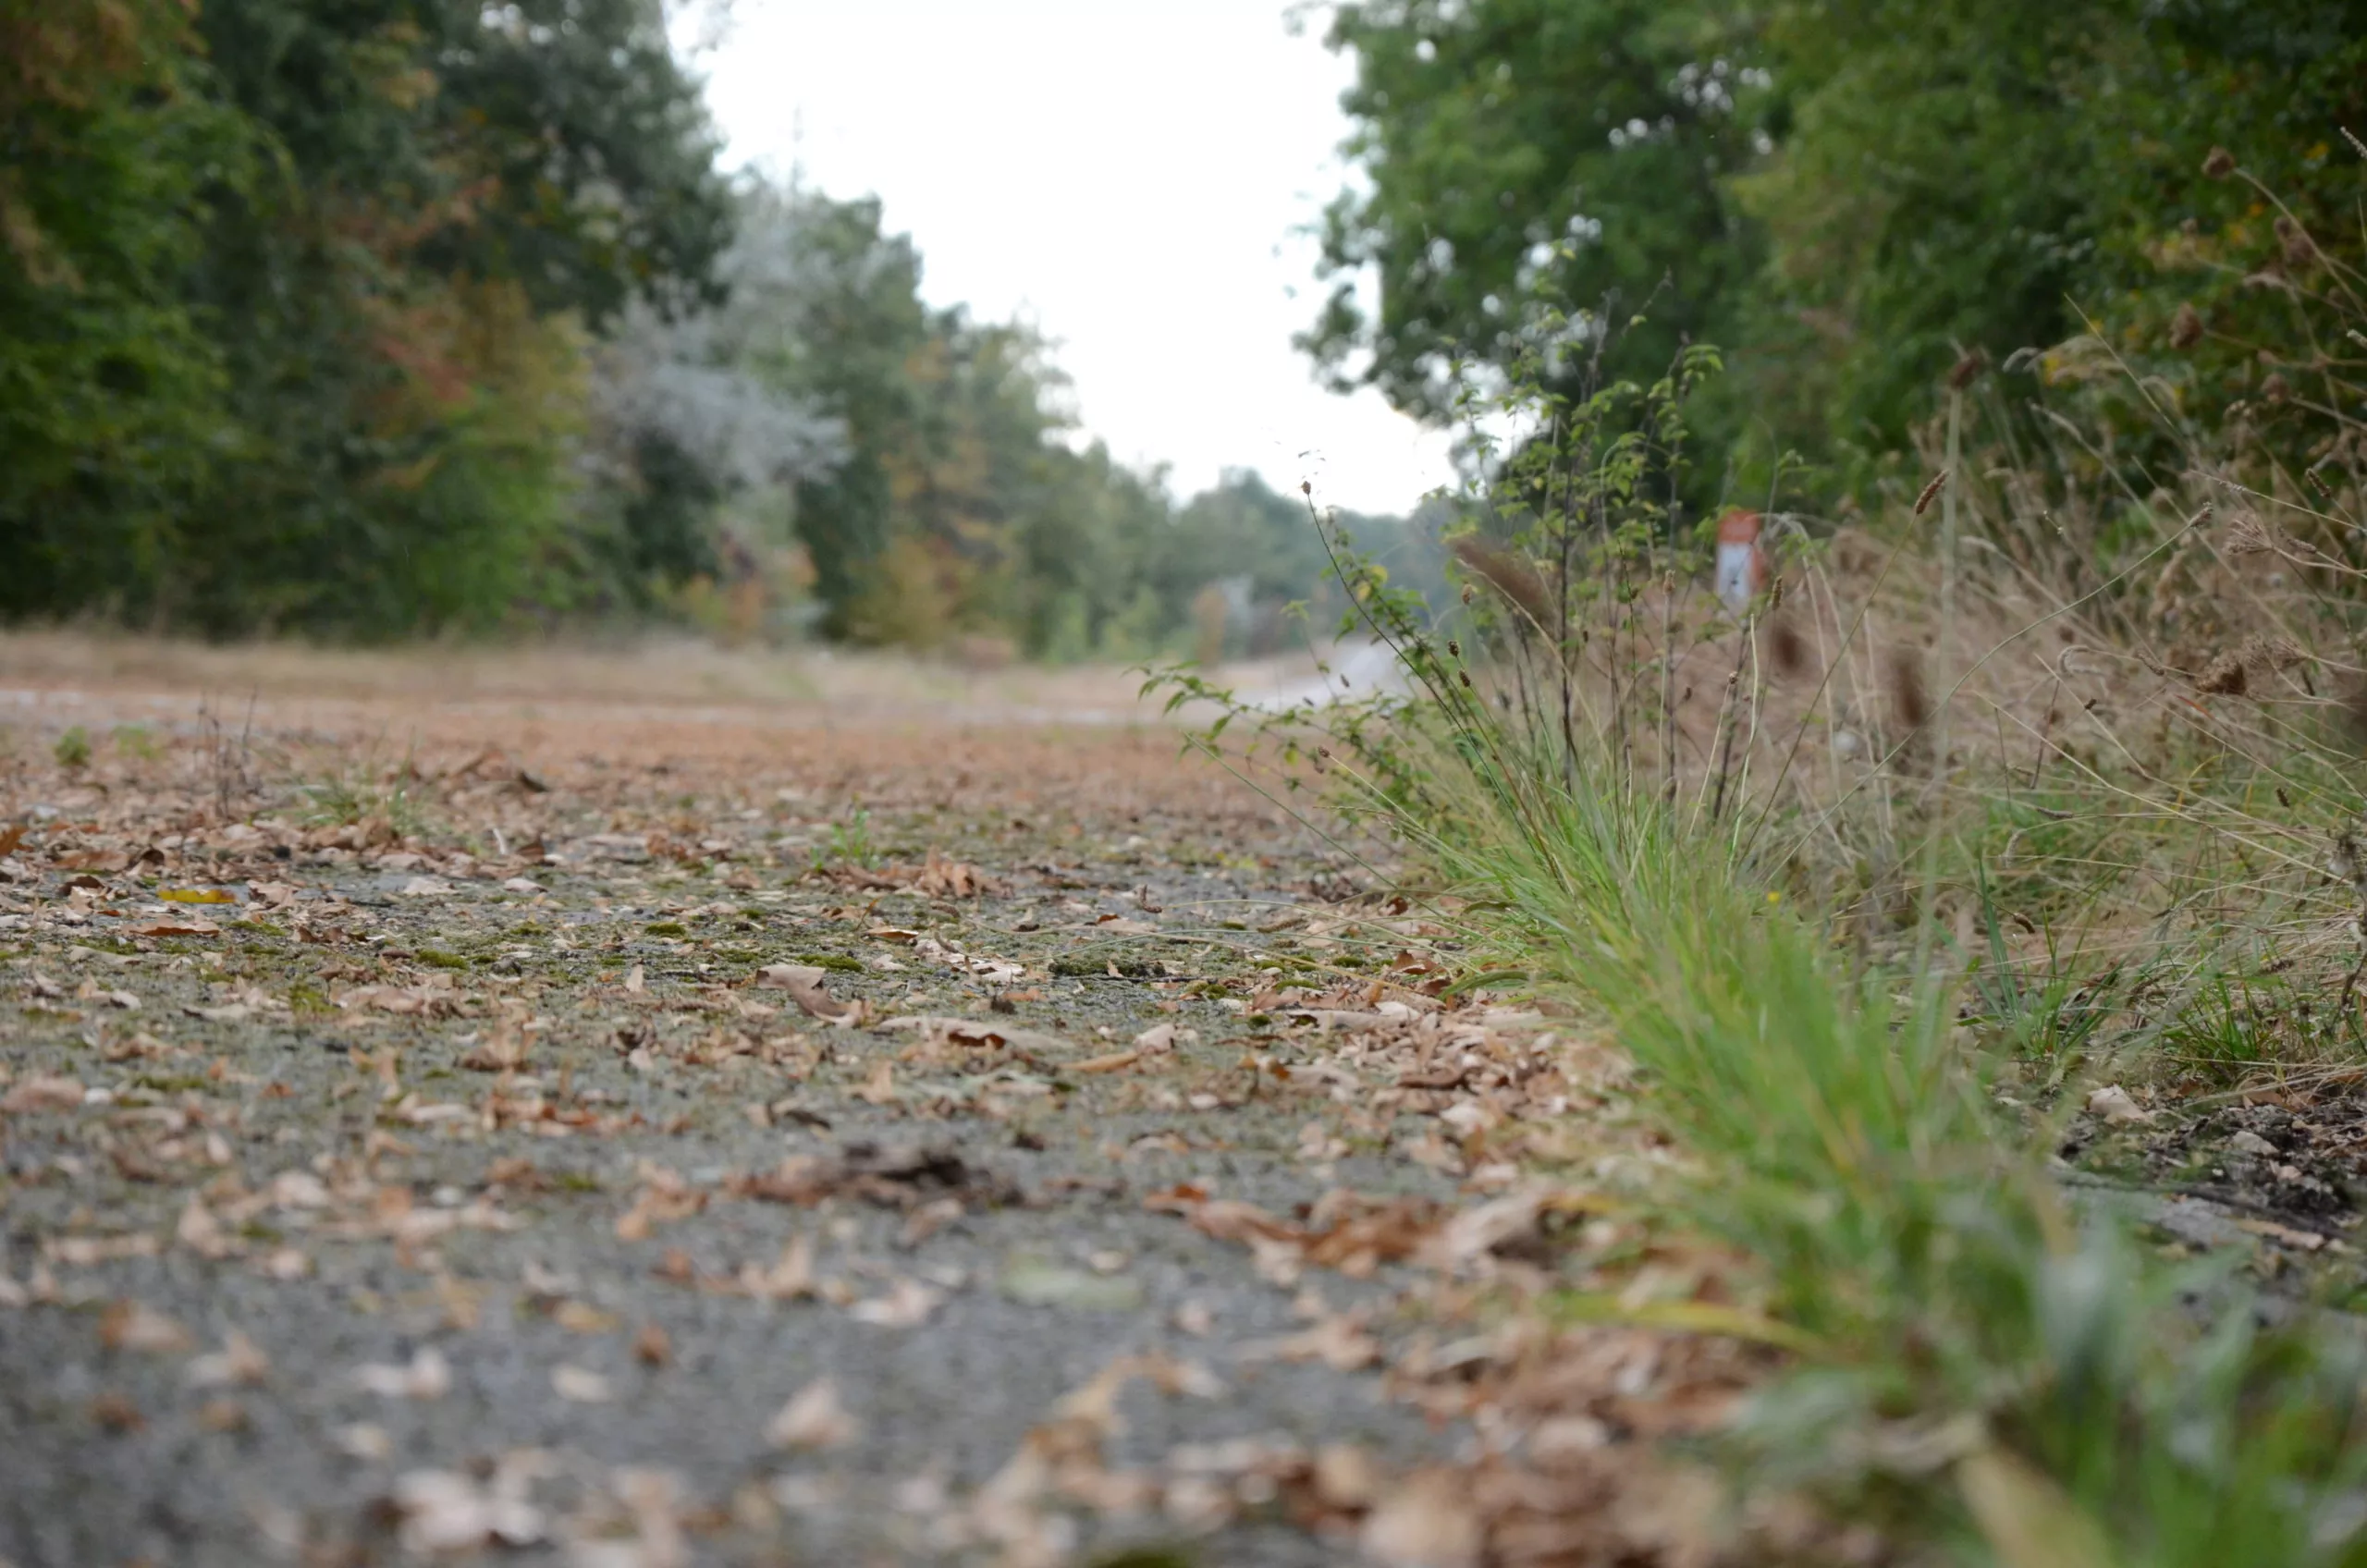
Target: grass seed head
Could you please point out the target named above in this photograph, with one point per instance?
(2224, 676)
(2185, 326)
(1509, 575)
(1923, 501)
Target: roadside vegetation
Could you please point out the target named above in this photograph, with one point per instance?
(426, 317)
(1983, 909)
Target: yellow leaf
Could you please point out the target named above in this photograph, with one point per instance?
(196, 896)
(582, 1318)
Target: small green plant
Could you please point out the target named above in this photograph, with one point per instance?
(345, 800)
(73, 749)
(138, 743)
(848, 843)
(666, 928)
(2040, 1009)
(2225, 1031)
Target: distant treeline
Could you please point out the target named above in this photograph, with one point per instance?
(1853, 199)
(370, 318)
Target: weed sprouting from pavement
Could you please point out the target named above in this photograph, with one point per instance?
(848, 843)
(359, 799)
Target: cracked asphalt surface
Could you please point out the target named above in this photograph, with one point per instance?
(460, 1113)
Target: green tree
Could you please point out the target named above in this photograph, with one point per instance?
(295, 298)
(1847, 195)
(848, 332)
(2227, 212)
(1525, 159)
(1928, 195)
(109, 383)
(461, 186)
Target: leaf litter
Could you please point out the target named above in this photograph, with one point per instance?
(384, 1059)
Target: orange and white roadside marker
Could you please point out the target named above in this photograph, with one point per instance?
(1742, 561)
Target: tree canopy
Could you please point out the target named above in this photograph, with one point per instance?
(1850, 196)
(372, 317)
(296, 293)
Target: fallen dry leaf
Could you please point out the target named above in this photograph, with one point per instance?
(271, 895)
(1425, 1521)
(583, 1318)
(1163, 1038)
(116, 1412)
(189, 926)
(647, 1504)
(789, 1280)
(580, 1386)
(1347, 1477)
(1486, 1227)
(287, 1263)
(503, 1050)
(133, 1326)
(2307, 1241)
(907, 1303)
(444, 1511)
(651, 1347)
(880, 1087)
(893, 1178)
(428, 1376)
(970, 1031)
(222, 1416)
(1338, 1340)
(803, 984)
(236, 1364)
(45, 1093)
(363, 1441)
(664, 1197)
(2113, 1103)
(813, 1419)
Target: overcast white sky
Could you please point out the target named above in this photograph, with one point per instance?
(1130, 173)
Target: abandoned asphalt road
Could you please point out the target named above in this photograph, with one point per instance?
(620, 1143)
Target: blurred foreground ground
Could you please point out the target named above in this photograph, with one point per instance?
(669, 1108)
